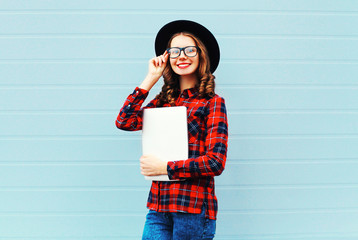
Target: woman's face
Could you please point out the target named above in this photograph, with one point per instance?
(184, 65)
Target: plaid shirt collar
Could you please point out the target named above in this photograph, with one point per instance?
(189, 93)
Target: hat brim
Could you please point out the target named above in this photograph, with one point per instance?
(208, 39)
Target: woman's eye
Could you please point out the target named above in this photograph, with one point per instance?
(174, 51)
(190, 50)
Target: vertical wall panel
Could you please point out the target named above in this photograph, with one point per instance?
(288, 73)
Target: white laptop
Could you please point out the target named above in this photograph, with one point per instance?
(165, 135)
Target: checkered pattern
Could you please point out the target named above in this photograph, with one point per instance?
(208, 136)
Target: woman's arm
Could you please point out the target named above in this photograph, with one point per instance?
(213, 162)
(130, 115)
(155, 70)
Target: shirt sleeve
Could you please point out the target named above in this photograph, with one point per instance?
(131, 114)
(216, 142)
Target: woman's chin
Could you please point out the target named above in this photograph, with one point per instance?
(184, 72)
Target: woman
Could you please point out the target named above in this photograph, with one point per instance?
(185, 209)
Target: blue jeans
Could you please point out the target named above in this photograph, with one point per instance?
(178, 226)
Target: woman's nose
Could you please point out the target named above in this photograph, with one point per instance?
(182, 54)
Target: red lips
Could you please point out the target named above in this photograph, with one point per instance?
(183, 65)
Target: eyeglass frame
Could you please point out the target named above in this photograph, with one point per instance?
(183, 49)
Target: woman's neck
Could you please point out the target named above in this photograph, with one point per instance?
(188, 81)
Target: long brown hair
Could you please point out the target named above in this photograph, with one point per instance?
(171, 88)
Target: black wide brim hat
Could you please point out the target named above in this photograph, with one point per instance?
(208, 39)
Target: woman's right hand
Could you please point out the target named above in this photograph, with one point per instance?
(157, 65)
(155, 70)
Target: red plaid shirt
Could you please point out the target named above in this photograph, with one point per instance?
(208, 136)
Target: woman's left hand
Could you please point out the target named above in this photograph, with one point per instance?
(151, 166)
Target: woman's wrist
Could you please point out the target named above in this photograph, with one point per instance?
(149, 81)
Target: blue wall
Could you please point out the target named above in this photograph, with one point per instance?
(288, 73)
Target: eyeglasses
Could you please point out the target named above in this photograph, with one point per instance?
(189, 51)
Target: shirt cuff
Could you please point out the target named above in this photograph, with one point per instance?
(137, 97)
(170, 170)
(140, 91)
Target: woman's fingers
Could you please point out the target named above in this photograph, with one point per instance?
(163, 58)
(159, 62)
(166, 54)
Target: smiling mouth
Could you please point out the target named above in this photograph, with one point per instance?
(183, 65)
